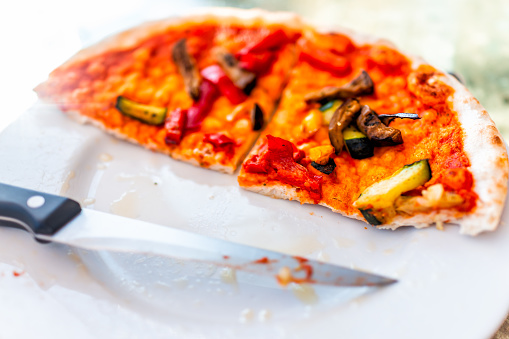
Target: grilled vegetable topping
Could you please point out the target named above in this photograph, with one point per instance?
(243, 79)
(220, 142)
(386, 119)
(382, 194)
(272, 40)
(257, 119)
(340, 120)
(224, 84)
(256, 62)
(328, 110)
(361, 85)
(199, 110)
(175, 126)
(321, 154)
(148, 114)
(327, 106)
(372, 217)
(379, 134)
(280, 161)
(187, 68)
(323, 59)
(328, 168)
(357, 143)
(259, 55)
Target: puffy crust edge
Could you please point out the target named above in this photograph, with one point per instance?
(221, 16)
(486, 150)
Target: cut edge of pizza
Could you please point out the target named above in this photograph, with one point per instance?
(482, 160)
(213, 127)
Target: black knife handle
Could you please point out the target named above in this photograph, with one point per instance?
(36, 212)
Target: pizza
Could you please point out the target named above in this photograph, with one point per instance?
(198, 88)
(347, 121)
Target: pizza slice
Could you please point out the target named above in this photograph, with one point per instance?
(382, 137)
(199, 88)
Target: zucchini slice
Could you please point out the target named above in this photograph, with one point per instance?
(328, 110)
(148, 114)
(357, 144)
(373, 217)
(382, 194)
(328, 168)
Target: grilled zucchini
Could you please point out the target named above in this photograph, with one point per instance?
(357, 144)
(381, 195)
(148, 114)
(328, 110)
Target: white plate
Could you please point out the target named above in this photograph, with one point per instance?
(450, 286)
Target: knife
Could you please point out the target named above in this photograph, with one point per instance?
(51, 218)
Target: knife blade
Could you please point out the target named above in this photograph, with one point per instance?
(51, 218)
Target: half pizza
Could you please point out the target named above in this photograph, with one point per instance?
(382, 137)
(198, 88)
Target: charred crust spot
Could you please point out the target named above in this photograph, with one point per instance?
(496, 140)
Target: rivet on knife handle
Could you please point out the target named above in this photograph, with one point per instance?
(36, 212)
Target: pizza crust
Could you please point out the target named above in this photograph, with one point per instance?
(486, 150)
(223, 15)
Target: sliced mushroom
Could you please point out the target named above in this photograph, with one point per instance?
(379, 134)
(187, 68)
(388, 118)
(340, 120)
(257, 120)
(243, 79)
(361, 85)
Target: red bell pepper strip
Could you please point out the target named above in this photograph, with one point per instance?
(272, 40)
(298, 154)
(256, 62)
(280, 156)
(218, 77)
(199, 110)
(342, 45)
(220, 142)
(279, 163)
(175, 125)
(323, 59)
(258, 163)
